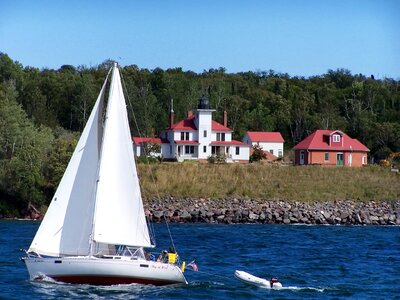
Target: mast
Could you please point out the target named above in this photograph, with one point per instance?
(91, 238)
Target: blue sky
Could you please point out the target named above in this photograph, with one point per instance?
(301, 38)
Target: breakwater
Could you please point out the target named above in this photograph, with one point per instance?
(231, 211)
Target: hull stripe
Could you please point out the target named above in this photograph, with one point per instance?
(109, 280)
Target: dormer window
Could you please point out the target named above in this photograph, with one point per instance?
(336, 138)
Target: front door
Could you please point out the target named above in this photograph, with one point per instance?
(339, 159)
(302, 157)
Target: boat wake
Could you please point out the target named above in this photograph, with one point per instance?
(298, 288)
(43, 278)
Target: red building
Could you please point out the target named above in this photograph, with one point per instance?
(330, 148)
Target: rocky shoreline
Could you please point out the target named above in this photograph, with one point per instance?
(247, 211)
(234, 211)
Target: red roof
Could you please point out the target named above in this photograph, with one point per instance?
(186, 124)
(263, 136)
(315, 141)
(183, 142)
(215, 126)
(231, 143)
(139, 140)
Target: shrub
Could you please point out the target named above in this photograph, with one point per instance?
(147, 160)
(217, 159)
(258, 154)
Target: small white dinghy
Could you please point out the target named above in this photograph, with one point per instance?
(257, 281)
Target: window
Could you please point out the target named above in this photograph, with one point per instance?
(302, 157)
(189, 149)
(205, 133)
(184, 136)
(326, 155)
(280, 153)
(204, 149)
(237, 150)
(364, 160)
(271, 151)
(336, 138)
(220, 136)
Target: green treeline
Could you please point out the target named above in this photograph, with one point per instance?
(43, 111)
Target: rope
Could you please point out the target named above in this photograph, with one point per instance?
(216, 275)
(148, 164)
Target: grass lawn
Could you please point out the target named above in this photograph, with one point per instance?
(264, 181)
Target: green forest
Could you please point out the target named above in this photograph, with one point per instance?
(42, 112)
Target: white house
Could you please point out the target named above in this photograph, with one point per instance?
(147, 146)
(198, 137)
(271, 142)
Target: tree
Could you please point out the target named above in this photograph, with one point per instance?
(258, 154)
(23, 149)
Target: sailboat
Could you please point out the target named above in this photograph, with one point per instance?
(95, 229)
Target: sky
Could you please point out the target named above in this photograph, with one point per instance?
(298, 37)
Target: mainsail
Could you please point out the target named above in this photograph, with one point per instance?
(98, 198)
(67, 225)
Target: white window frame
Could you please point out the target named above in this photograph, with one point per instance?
(336, 138)
(364, 160)
(190, 148)
(220, 136)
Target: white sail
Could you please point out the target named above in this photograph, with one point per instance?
(119, 215)
(67, 225)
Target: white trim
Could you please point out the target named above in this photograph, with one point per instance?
(364, 160)
(336, 138)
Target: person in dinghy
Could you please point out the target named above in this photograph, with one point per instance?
(257, 281)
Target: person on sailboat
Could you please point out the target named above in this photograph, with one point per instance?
(150, 256)
(172, 255)
(163, 256)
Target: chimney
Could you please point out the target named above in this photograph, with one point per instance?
(171, 114)
(189, 114)
(225, 119)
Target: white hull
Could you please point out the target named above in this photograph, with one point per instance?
(104, 271)
(256, 281)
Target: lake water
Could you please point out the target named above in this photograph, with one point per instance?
(312, 262)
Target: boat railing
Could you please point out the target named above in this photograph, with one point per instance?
(31, 254)
(130, 252)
